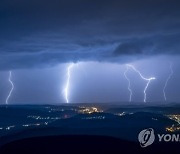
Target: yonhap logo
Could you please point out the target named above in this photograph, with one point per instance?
(146, 137)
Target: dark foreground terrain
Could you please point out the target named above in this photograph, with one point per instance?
(83, 144)
(36, 129)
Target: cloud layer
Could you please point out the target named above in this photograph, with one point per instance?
(44, 32)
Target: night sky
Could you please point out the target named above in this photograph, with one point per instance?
(39, 39)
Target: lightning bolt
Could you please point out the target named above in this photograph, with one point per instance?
(167, 80)
(129, 83)
(12, 87)
(66, 89)
(146, 79)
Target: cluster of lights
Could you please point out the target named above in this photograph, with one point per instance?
(173, 128)
(95, 117)
(44, 118)
(89, 110)
(50, 119)
(155, 119)
(121, 114)
(175, 117)
(29, 125)
(57, 110)
(6, 128)
(9, 127)
(25, 125)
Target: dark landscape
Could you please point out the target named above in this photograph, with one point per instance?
(102, 127)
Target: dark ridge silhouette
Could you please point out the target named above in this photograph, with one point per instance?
(83, 144)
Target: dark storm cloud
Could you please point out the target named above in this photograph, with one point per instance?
(161, 44)
(45, 32)
(132, 48)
